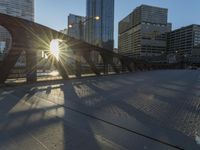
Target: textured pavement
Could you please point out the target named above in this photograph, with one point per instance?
(155, 110)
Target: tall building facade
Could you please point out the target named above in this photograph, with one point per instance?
(76, 26)
(185, 43)
(100, 32)
(142, 34)
(18, 8)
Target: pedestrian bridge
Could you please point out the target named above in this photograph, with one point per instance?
(155, 110)
(29, 38)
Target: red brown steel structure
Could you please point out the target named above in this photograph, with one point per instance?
(32, 37)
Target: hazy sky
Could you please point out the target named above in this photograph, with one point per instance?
(53, 13)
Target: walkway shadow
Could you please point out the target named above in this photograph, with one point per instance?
(77, 98)
(109, 98)
(17, 122)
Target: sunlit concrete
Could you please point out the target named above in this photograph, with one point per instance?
(155, 110)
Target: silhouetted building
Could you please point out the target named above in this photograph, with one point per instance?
(18, 8)
(142, 34)
(185, 43)
(76, 26)
(100, 32)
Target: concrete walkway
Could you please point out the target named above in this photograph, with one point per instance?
(156, 110)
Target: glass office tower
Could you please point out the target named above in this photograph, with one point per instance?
(100, 32)
(18, 8)
(77, 27)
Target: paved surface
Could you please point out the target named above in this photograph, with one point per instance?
(156, 110)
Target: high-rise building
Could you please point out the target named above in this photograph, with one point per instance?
(76, 26)
(100, 32)
(142, 34)
(18, 8)
(185, 43)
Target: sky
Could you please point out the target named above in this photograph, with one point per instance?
(53, 13)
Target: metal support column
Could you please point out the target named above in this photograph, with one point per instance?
(78, 65)
(31, 66)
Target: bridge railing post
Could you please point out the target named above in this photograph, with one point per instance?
(78, 64)
(105, 68)
(31, 66)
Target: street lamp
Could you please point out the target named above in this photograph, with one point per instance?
(86, 20)
(80, 25)
(70, 26)
(97, 18)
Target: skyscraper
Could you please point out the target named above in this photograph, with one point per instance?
(18, 8)
(142, 34)
(100, 32)
(76, 26)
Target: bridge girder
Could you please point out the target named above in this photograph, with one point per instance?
(32, 37)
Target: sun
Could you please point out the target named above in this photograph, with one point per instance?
(54, 48)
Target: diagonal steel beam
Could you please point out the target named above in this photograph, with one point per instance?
(88, 59)
(8, 63)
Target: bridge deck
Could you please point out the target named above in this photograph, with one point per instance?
(149, 110)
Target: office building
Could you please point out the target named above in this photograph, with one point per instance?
(18, 8)
(142, 34)
(100, 32)
(76, 26)
(185, 43)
